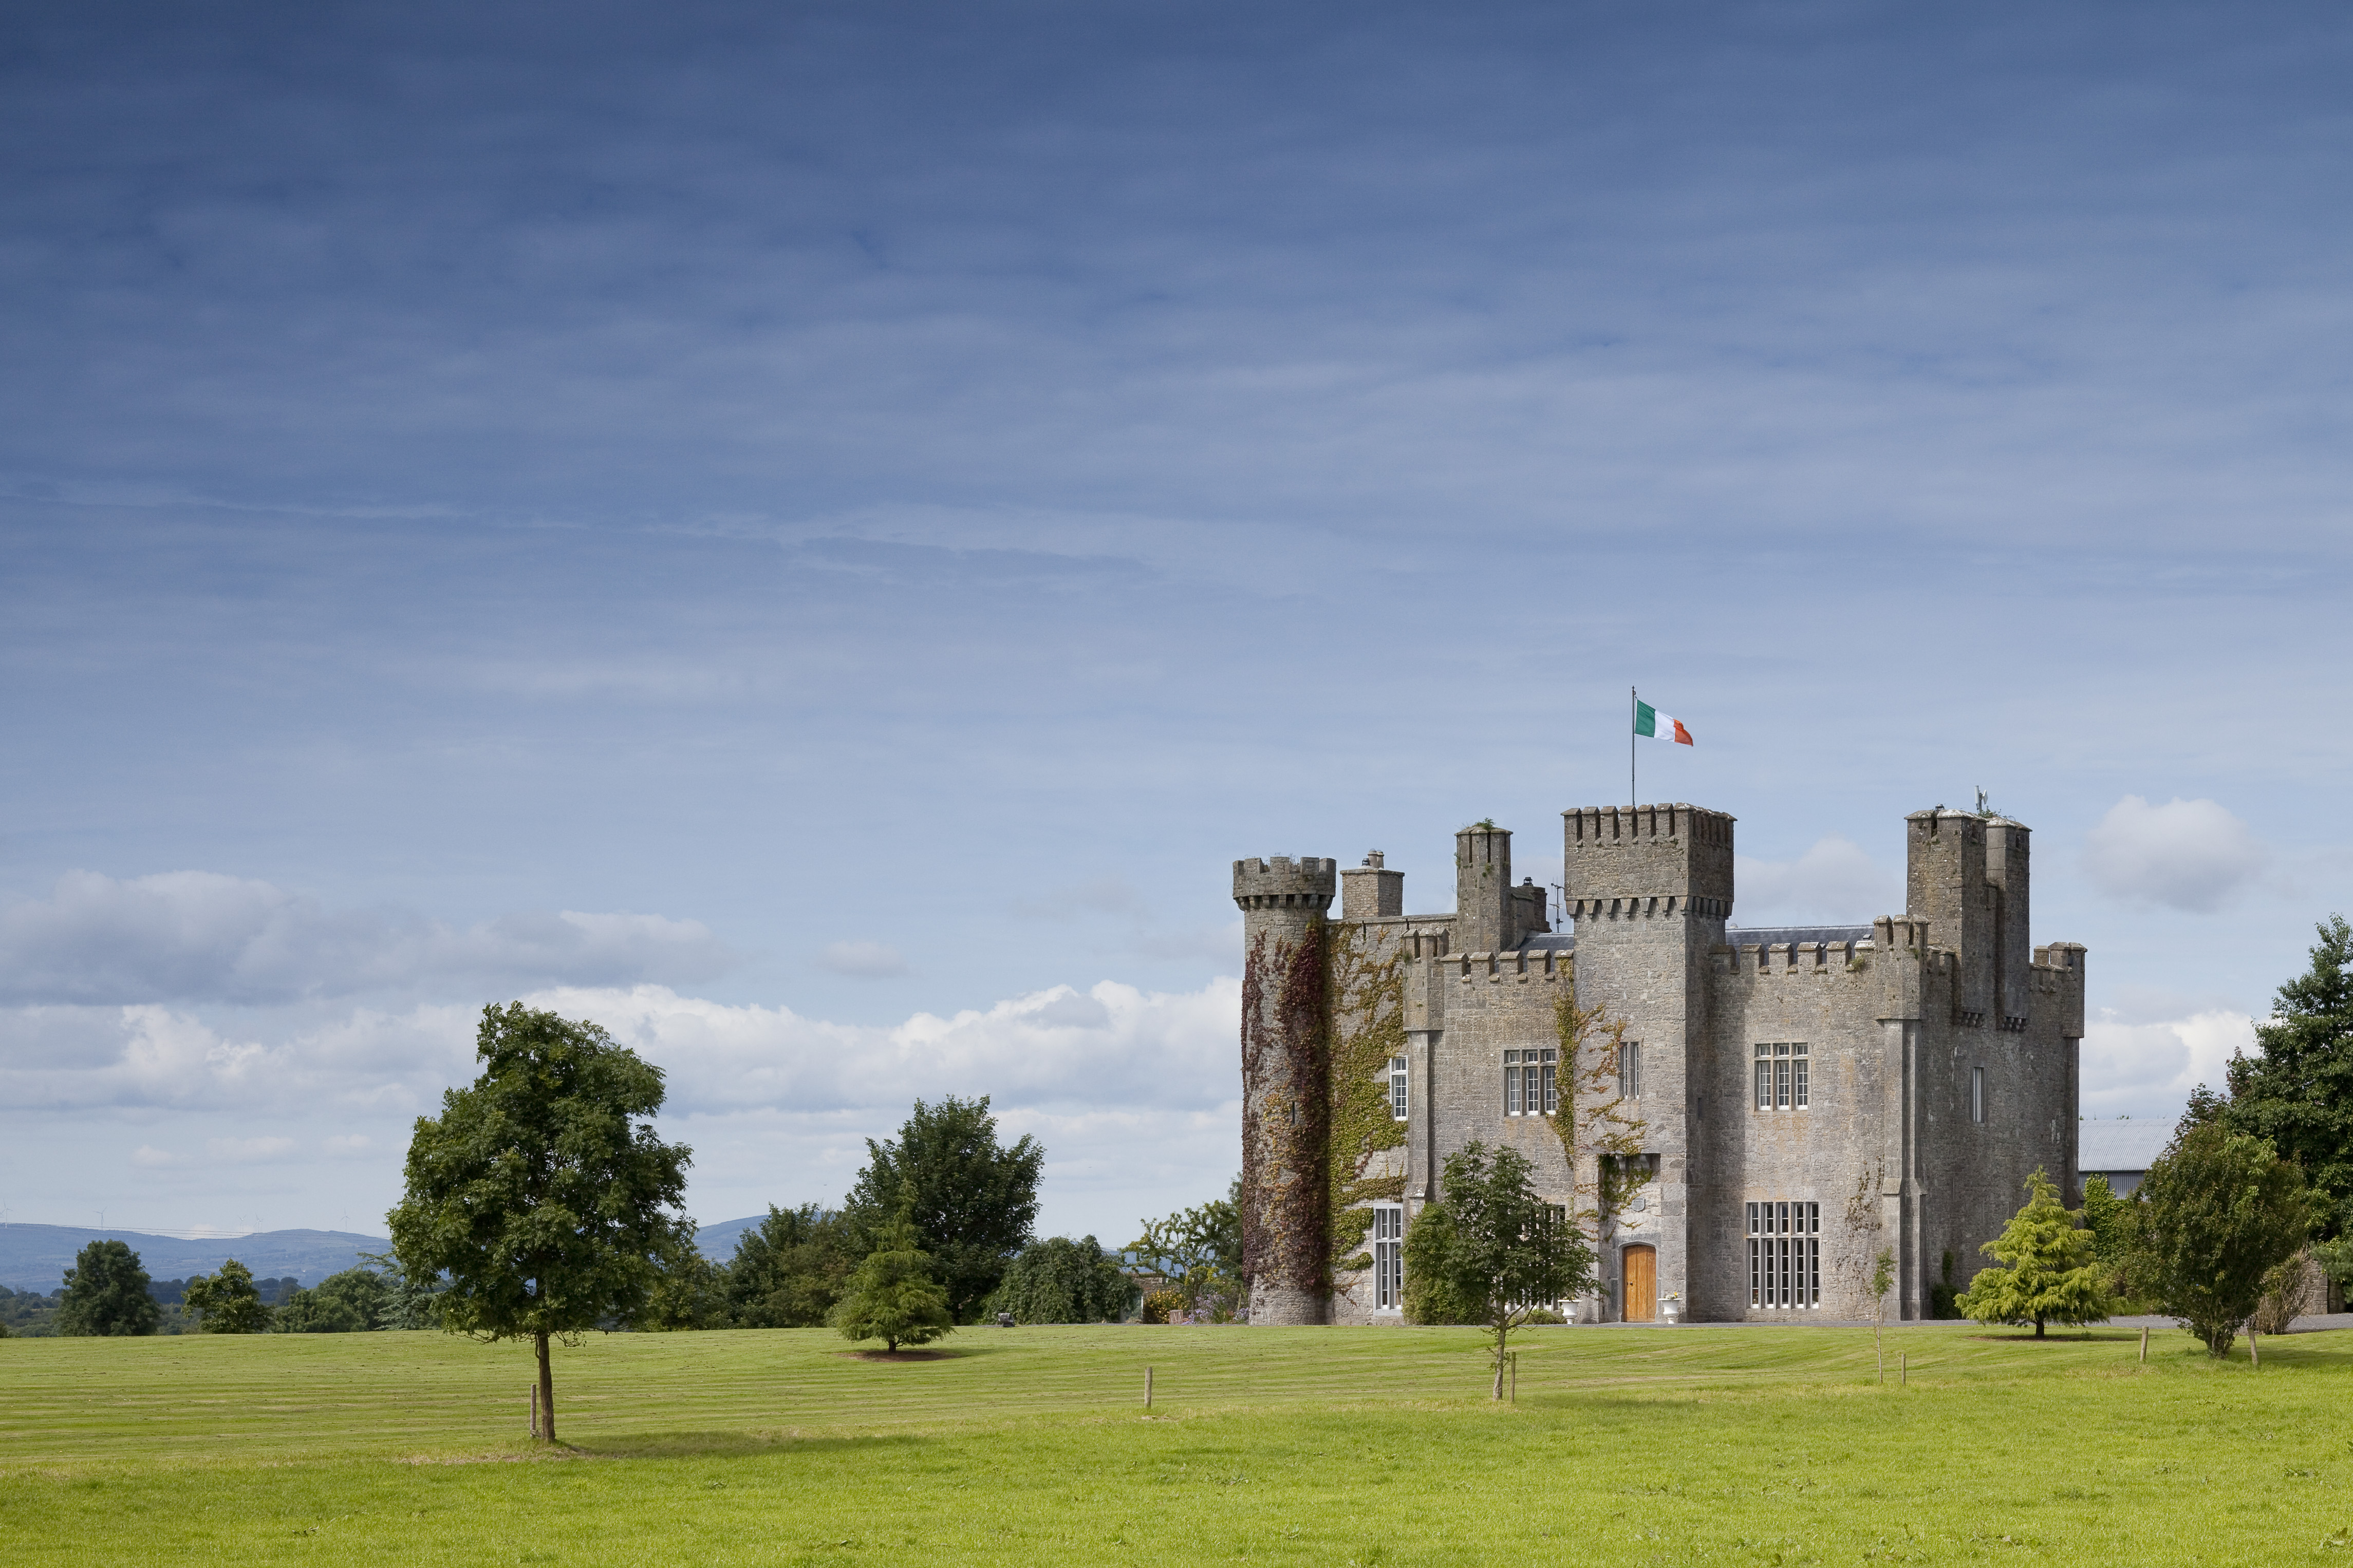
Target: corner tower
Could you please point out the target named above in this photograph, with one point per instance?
(1286, 1101)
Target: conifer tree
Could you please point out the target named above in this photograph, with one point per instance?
(2298, 1091)
(894, 1295)
(2052, 1274)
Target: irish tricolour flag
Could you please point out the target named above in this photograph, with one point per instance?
(1649, 720)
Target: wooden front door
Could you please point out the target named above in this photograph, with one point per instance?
(1642, 1284)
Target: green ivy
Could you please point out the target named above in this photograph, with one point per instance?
(1366, 1028)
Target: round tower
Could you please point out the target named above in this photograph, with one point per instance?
(1286, 1101)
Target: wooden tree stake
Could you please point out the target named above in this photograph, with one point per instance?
(535, 1412)
(1148, 1388)
(2253, 1355)
(1903, 1369)
(2144, 1342)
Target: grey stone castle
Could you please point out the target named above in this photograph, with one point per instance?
(1784, 1105)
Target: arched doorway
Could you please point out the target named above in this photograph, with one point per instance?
(1642, 1264)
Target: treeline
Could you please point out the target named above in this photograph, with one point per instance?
(968, 1204)
(969, 1201)
(32, 1315)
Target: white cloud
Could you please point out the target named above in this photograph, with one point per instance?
(2190, 854)
(864, 959)
(1833, 881)
(2139, 1070)
(196, 936)
(1133, 1092)
(1113, 1045)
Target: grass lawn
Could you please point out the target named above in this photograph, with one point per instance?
(1278, 1445)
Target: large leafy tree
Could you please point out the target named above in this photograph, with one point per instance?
(106, 1293)
(1059, 1281)
(1200, 1250)
(893, 1296)
(541, 1190)
(790, 1268)
(2297, 1093)
(227, 1302)
(1491, 1251)
(2050, 1271)
(972, 1200)
(2217, 1211)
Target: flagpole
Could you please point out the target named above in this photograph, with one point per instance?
(1633, 714)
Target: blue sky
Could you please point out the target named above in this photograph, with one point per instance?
(814, 535)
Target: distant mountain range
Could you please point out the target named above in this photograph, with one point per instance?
(35, 1257)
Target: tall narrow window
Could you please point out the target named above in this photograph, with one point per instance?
(1397, 1088)
(1782, 1076)
(1531, 1081)
(1784, 1255)
(1630, 1070)
(1388, 1257)
(1977, 1094)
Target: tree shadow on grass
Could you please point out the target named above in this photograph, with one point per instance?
(733, 1444)
(942, 1352)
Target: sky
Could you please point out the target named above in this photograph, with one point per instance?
(811, 536)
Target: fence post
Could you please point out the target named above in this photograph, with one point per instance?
(1148, 1388)
(2144, 1342)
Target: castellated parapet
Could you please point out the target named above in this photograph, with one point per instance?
(1806, 1097)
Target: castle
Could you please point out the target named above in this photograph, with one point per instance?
(1747, 1121)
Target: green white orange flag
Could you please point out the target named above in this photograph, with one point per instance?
(1658, 726)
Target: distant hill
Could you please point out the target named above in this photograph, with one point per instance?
(35, 1257)
(717, 1242)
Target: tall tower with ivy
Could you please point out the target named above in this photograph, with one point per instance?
(1285, 1102)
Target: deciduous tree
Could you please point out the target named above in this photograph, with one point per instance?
(106, 1293)
(1059, 1281)
(542, 1191)
(893, 1296)
(1491, 1251)
(2219, 1210)
(2050, 1271)
(1199, 1251)
(351, 1302)
(227, 1302)
(790, 1268)
(972, 1200)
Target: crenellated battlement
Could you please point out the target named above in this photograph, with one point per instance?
(1545, 965)
(1281, 883)
(1785, 958)
(1654, 860)
(1617, 827)
(1672, 905)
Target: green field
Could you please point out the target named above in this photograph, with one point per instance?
(1766, 1446)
